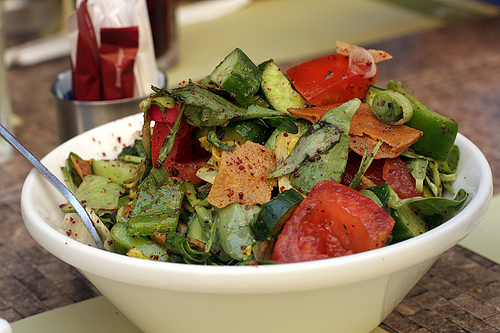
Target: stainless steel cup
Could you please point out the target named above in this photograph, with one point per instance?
(75, 117)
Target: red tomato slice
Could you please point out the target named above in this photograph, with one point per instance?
(374, 172)
(328, 80)
(333, 220)
(186, 156)
(400, 179)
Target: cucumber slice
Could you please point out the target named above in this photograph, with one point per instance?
(278, 89)
(115, 170)
(274, 214)
(239, 76)
(156, 209)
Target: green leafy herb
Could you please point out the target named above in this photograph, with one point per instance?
(331, 164)
(234, 230)
(320, 137)
(206, 109)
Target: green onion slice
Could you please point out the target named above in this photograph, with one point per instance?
(392, 107)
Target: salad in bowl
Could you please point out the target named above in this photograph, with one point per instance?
(253, 165)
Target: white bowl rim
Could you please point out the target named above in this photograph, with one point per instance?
(253, 279)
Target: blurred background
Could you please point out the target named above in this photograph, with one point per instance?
(192, 36)
(207, 30)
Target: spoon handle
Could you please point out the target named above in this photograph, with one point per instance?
(56, 182)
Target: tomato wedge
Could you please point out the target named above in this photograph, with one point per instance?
(186, 156)
(400, 179)
(333, 220)
(373, 174)
(391, 170)
(329, 80)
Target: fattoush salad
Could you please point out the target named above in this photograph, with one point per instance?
(254, 165)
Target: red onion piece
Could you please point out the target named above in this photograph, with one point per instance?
(361, 62)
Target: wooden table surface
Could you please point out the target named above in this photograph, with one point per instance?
(454, 70)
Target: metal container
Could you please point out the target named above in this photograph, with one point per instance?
(75, 117)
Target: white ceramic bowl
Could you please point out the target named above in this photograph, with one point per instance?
(348, 294)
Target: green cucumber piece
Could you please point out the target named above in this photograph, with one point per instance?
(124, 241)
(439, 131)
(278, 89)
(274, 214)
(238, 76)
(115, 170)
(156, 209)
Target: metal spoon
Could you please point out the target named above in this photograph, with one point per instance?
(54, 181)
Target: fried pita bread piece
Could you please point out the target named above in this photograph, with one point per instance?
(82, 167)
(367, 130)
(241, 176)
(313, 113)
